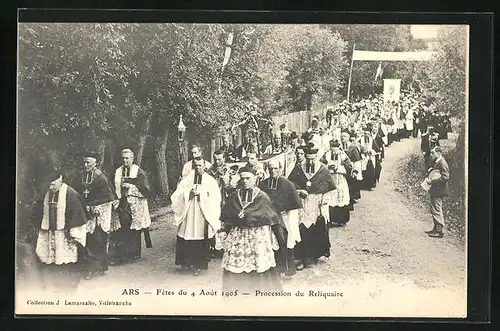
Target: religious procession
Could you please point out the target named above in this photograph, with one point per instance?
(261, 202)
(264, 221)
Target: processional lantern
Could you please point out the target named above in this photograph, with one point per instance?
(181, 130)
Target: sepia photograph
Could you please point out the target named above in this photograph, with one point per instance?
(267, 170)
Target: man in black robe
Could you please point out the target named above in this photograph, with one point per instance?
(354, 178)
(372, 147)
(248, 217)
(314, 185)
(62, 233)
(286, 202)
(98, 195)
(133, 189)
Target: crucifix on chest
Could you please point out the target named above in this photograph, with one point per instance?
(86, 182)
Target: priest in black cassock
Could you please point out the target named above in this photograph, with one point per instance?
(372, 148)
(286, 202)
(62, 235)
(354, 178)
(98, 196)
(133, 189)
(248, 216)
(314, 185)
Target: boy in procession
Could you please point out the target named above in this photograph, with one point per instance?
(196, 204)
(132, 189)
(98, 196)
(221, 172)
(253, 163)
(188, 167)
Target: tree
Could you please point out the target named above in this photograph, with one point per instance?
(447, 71)
(300, 63)
(372, 37)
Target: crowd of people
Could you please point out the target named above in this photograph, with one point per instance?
(264, 225)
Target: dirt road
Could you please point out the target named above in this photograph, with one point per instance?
(382, 259)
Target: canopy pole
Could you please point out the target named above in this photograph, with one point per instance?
(350, 72)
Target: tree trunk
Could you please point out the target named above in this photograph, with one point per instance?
(161, 161)
(143, 139)
(213, 148)
(111, 153)
(102, 152)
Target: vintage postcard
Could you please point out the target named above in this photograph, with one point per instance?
(306, 170)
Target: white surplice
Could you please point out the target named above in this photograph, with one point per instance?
(190, 215)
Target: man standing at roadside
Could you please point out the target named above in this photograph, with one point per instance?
(437, 178)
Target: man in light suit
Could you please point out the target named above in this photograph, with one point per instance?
(438, 177)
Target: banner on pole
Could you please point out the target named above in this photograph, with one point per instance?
(392, 89)
(391, 56)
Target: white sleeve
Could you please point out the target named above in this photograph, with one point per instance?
(79, 233)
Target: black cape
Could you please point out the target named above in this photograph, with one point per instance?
(321, 182)
(75, 214)
(259, 213)
(142, 183)
(285, 197)
(100, 188)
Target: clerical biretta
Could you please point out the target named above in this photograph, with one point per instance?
(286, 202)
(133, 189)
(196, 204)
(62, 235)
(248, 216)
(98, 196)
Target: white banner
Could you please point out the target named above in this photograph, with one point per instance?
(392, 89)
(391, 56)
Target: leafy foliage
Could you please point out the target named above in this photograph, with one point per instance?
(301, 62)
(447, 73)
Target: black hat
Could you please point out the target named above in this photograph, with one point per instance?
(247, 169)
(54, 174)
(311, 149)
(234, 167)
(90, 153)
(334, 143)
(293, 135)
